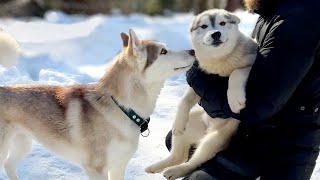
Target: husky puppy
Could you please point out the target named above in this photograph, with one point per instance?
(88, 124)
(220, 49)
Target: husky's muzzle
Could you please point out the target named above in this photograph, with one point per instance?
(213, 38)
(216, 38)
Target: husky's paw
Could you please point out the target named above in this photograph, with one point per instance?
(175, 172)
(236, 100)
(153, 169)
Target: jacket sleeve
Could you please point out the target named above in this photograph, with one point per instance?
(212, 89)
(287, 53)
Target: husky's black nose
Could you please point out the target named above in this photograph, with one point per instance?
(216, 35)
(192, 53)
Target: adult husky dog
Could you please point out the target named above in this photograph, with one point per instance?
(90, 124)
(220, 49)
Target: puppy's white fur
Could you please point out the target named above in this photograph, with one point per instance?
(232, 54)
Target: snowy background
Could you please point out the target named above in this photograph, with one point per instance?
(63, 50)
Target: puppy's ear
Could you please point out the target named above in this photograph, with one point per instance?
(233, 19)
(125, 39)
(194, 24)
(135, 44)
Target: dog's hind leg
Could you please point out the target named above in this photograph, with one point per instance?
(3, 152)
(209, 146)
(181, 144)
(179, 154)
(18, 150)
(6, 133)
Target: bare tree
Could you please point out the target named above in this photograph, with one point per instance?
(199, 6)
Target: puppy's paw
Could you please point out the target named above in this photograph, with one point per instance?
(236, 100)
(153, 169)
(175, 172)
(179, 125)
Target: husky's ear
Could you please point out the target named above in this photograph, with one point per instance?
(233, 19)
(125, 39)
(135, 45)
(194, 24)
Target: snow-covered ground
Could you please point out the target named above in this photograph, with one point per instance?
(63, 50)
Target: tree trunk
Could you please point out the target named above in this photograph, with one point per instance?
(233, 5)
(18, 8)
(199, 6)
(80, 6)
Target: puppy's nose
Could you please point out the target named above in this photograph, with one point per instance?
(192, 53)
(216, 35)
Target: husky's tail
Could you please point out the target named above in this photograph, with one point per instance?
(9, 50)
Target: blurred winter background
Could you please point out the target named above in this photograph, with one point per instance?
(72, 41)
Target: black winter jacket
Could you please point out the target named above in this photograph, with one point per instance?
(283, 88)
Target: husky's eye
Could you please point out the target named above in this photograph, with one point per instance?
(223, 23)
(163, 51)
(204, 26)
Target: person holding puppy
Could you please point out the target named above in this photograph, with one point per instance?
(279, 133)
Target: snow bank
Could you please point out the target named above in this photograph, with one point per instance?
(63, 50)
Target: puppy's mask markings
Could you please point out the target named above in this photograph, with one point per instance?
(229, 18)
(212, 19)
(196, 24)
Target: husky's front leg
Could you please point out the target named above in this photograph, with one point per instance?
(189, 99)
(209, 146)
(117, 173)
(237, 89)
(96, 176)
(96, 172)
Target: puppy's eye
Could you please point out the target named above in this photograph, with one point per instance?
(163, 51)
(223, 23)
(204, 26)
